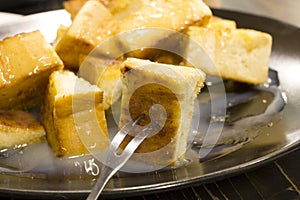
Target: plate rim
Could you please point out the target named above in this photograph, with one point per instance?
(177, 183)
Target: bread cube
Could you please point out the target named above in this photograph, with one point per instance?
(19, 128)
(238, 54)
(106, 75)
(119, 8)
(221, 23)
(169, 14)
(148, 83)
(26, 61)
(163, 19)
(73, 6)
(90, 26)
(73, 115)
(94, 23)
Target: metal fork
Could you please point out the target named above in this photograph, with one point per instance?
(115, 161)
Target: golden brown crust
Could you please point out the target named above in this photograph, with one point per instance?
(94, 23)
(168, 14)
(19, 128)
(106, 75)
(238, 54)
(140, 103)
(91, 26)
(26, 61)
(73, 6)
(174, 88)
(65, 114)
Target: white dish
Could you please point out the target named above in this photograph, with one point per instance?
(46, 22)
(6, 18)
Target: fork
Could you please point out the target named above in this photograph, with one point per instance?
(114, 160)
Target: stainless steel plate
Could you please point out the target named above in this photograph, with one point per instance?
(62, 178)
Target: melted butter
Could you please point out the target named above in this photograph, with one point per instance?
(4, 62)
(173, 14)
(249, 110)
(5, 71)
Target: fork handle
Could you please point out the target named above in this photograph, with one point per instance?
(106, 174)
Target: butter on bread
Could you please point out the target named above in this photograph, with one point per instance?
(146, 83)
(238, 54)
(26, 62)
(73, 107)
(220, 23)
(163, 18)
(106, 75)
(168, 14)
(93, 24)
(122, 8)
(73, 6)
(18, 128)
(119, 8)
(171, 58)
(61, 30)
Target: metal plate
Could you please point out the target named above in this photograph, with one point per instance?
(74, 177)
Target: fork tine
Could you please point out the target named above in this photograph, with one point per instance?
(139, 138)
(123, 132)
(134, 143)
(115, 160)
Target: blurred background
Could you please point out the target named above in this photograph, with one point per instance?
(284, 10)
(26, 7)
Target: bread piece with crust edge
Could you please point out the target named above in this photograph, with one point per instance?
(72, 112)
(175, 88)
(19, 128)
(239, 54)
(94, 24)
(26, 62)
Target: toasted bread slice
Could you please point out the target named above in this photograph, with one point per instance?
(73, 115)
(122, 8)
(62, 29)
(106, 75)
(168, 14)
(238, 54)
(119, 8)
(26, 61)
(160, 17)
(19, 128)
(73, 6)
(221, 23)
(173, 87)
(93, 24)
